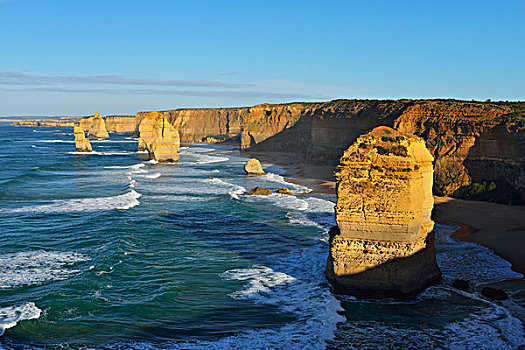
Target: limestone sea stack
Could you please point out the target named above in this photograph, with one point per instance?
(159, 138)
(97, 128)
(383, 244)
(82, 144)
(253, 167)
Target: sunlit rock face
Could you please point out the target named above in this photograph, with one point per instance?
(383, 244)
(159, 138)
(95, 127)
(82, 144)
(253, 167)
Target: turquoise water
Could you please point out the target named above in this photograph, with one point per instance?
(110, 250)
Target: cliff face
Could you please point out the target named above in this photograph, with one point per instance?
(250, 124)
(472, 142)
(81, 143)
(383, 244)
(159, 137)
(120, 123)
(61, 122)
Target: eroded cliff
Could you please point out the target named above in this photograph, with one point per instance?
(159, 138)
(479, 147)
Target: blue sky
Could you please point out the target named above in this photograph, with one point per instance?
(75, 57)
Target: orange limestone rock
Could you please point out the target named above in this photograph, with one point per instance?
(82, 144)
(97, 128)
(253, 167)
(159, 138)
(383, 244)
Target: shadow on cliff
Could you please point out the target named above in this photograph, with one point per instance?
(495, 166)
(401, 278)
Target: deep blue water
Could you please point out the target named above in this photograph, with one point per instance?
(109, 250)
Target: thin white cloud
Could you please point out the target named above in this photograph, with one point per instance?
(194, 93)
(18, 78)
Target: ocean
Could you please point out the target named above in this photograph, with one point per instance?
(110, 250)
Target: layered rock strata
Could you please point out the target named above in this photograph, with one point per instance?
(383, 244)
(120, 123)
(159, 138)
(81, 143)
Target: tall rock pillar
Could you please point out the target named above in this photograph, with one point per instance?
(383, 244)
(82, 144)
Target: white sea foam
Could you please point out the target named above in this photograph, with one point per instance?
(151, 176)
(260, 279)
(36, 267)
(181, 198)
(279, 200)
(270, 177)
(52, 141)
(199, 159)
(319, 213)
(11, 315)
(122, 202)
(233, 190)
(134, 166)
(33, 146)
(296, 284)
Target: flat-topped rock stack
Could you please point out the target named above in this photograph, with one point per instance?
(383, 244)
(159, 138)
(82, 144)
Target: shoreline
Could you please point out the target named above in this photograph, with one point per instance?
(498, 227)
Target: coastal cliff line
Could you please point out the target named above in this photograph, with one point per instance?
(478, 147)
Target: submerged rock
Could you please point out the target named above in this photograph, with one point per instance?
(259, 191)
(97, 128)
(494, 293)
(159, 138)
(253, 167)
(82, 144)
(461, 284)
(284, 190)
(383, 244)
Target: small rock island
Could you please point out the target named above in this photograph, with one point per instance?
(383, 244)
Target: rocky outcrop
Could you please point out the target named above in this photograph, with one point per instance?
(259, 191)
(383, 243)
(284, 190)
(253, 167)
(82, 144)
(159, 138)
